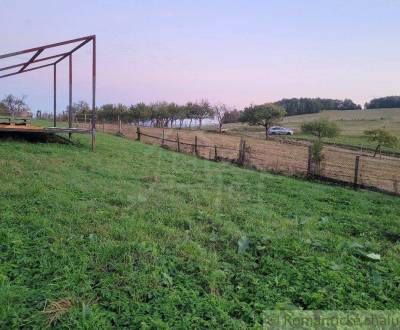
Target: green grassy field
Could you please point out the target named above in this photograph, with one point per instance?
(136, 236)
(352, 124)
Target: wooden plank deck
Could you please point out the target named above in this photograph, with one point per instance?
(39, 129)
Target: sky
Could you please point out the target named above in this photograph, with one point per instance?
(231, 51)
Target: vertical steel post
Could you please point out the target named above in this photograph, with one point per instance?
(55, 96)
(94, 95)
(70, 96)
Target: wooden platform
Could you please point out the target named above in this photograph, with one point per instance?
(39, 129)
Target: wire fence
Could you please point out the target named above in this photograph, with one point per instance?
(349, 167)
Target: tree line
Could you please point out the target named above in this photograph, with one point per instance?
(164, 114)
(299, 106)
(168, 114)
(384, 102)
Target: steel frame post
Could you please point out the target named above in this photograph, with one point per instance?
(94, 94)
(55, 95)
(70, 95)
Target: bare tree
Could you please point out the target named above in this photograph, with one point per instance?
(219, 111)
(15, 104)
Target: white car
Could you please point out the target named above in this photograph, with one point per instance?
(278, 130)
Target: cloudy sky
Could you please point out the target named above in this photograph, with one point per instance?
(232, 51)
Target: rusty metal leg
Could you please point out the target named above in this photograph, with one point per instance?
(70, 96)
(94, 95)
(55, 97)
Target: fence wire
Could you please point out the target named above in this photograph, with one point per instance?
(285, 157)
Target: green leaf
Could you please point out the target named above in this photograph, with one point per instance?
(373, 256)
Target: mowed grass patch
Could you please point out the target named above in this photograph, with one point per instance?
(137, 236)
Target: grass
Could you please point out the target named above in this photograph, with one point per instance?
(351, 122)
(136, 236)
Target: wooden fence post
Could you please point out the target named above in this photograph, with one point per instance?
(119, 125)
(103, 125)
(138, 133)
(215, 153)
(163, 137)
(396, 184)
(195, 145)
(309, 162)
(242, 152)
(356, 171)
(177, 142)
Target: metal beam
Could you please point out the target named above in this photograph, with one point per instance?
(31, 60)
(26, 70)
(35, 61)
(73, 50)
(31, 50)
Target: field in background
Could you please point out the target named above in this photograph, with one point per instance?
(352, 123)
(287, 157)
(136, 236)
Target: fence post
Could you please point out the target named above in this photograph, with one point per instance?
(103, 125)
(242, 151)
(309, 162)
(215, 153)
(138, 133)
(177, 142)
(119, 125)
(85, 118)
(356, 171)
(195, 145)
(162, 140)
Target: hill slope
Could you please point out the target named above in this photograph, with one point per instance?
(136, 236)
(352, 123)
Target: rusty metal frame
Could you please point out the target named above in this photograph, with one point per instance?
(25, 67)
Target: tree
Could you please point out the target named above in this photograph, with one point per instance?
(265, 115)
(182, 115)
(80, 108)
(382, 137)
(15, 104)
(2, 107)
(219, 111)
(321, 128)
(231, 117)
(202, 110)
(298, 106)
(384, 102)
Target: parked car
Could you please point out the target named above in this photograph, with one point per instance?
(278, 130)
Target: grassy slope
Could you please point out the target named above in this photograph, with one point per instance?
(352, 123)
(134, 235)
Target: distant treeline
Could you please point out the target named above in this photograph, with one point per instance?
(166, 114)
(300, 106)
(157, 114)
(384, 102)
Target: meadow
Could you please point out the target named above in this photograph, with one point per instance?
(135, 236)
(351, 122)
